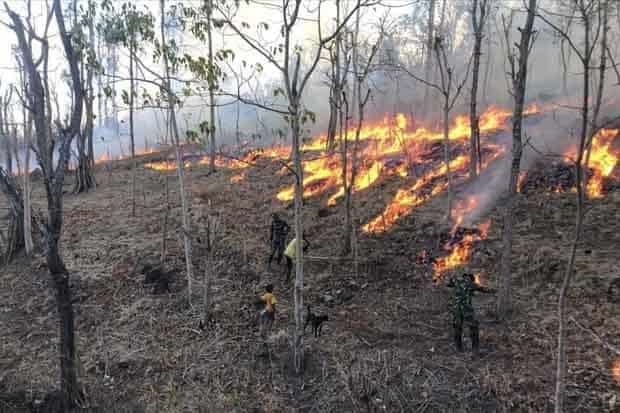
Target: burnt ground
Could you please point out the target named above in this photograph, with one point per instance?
(386, 347)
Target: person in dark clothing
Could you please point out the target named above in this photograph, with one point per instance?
(463, 310)
(277, 238)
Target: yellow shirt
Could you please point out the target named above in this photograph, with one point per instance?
(269, 300)
(291, 249)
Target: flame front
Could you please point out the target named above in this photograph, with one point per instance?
(460, 253)
(615, 370)
(602, 161)
(379, 143)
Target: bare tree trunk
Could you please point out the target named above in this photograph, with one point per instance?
(89, 135)
(601, 87)
(519, 81)
(430, 39)
(26, 183)
(84, 177)
(346, 185)
(485, 86)
(212, 85)
(446, 153)
(38, 101)
(237, 130)
(5, 130)
(335, 90)
(560, 384)
(187, 241)
(68, 371)
(565, 63)
(478, 21)
(298, 349)
(132, 87)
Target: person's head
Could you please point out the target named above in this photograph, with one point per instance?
(269, 288)
(469, 277)
(275, 216)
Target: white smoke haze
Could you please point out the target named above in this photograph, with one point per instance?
(549, 135)
(391, 92)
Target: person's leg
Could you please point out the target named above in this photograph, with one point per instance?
(289, 268)
(458, 331)
(272, 254)
(474, 332)
(280, 251)
(262, 323)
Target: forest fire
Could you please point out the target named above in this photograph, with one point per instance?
(221, 161)
(602, 161)
(459, 251)
(393, 136)
(406, 200)
(615, 370)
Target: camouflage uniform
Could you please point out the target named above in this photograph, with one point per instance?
(278, 233)
(463, 311)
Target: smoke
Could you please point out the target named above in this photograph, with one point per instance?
(548, 135)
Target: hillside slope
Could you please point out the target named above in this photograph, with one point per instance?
(386, 347)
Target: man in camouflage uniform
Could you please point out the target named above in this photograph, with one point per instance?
(277, 238)
(463, 310)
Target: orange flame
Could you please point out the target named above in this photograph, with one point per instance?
(602, 161)
(406, 200)
(615, 370)
(393, 135)
(460, 254)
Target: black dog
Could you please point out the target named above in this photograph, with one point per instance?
(316, 321)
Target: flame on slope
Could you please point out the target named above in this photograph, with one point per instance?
(602, 161)
(381, 139)
(389, 131)
(406, 200)
(319, 175)
(460, 253)
(615, 370)
(222, 161)
(365, 180)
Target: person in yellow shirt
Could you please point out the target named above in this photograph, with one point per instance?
(290, 253)
(267, 315)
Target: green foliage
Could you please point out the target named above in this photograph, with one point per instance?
(307, 116)
(191, 135)
(204, 127)
(128, 27)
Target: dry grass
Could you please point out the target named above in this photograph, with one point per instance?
(387, 348)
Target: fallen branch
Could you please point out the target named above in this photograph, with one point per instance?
(596, 336)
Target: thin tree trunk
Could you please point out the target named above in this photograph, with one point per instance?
(212, 85)
(134, 165)
(237, 130)
(335, 89)
(519, 81)
(430, 38)
(89, 135)
(187, 241)
(560, 384)
(478, 20)
(446, 153)
(599, 93)
(26, 178)
(344, 124)
(68, 370)
(487, 70)
(299, 261)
